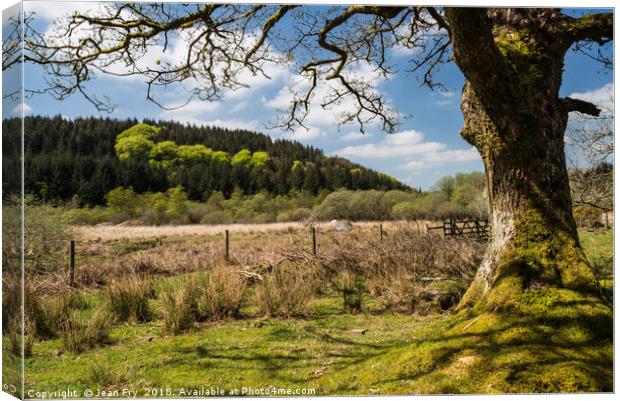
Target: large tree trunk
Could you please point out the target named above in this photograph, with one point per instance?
(534, 238)
(515, 118)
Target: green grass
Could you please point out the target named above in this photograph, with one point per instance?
(557, 341)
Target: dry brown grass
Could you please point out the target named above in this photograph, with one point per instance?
(406, 272)
(211, 296)
(116, 232)
(219, 294)
(128, 298)
(79, 335)
(286, 290)
(398, 271)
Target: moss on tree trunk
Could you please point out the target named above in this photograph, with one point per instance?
(534, 236)
(515, 118)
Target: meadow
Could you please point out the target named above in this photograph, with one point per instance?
(160, 311)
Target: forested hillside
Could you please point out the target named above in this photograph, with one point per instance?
(76, 159)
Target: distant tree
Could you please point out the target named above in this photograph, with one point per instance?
(123, 201)
(242, 158)
(591, 175)
(446, 184)
(135, 147)
(163, 154)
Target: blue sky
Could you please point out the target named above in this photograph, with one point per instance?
(426, 147)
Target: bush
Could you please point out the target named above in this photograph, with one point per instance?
(196, 211)
(409, 211)
(128, 298)
(46, 236)
(395, 289)
(217, 217)
(122, 201)
(283, 217)
(88, 217)
(286, 291)
(300, 214)
(335, 206)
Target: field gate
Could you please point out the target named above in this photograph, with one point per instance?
(472, 228)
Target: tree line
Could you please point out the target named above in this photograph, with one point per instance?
(77, 160)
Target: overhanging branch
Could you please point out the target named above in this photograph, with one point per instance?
(569, 104)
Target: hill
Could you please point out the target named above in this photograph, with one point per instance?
(76, 159)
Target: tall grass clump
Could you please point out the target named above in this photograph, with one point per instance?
(211, 296)
(128, 298)
(352, 287)
(219, 294)
(287, 290)
(179, 306)
(14, 332)
(79, 335)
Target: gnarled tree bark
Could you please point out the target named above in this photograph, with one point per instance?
(512, 61)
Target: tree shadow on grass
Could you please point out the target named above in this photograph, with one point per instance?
(563, 346)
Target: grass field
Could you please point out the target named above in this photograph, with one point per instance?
(327, 351)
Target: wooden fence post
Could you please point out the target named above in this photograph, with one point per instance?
(606, 219)
(380, 232)
(72, 262)
(313, 241)
(226, 252)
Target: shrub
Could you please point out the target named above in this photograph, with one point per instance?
(217, 217)
(335, 206)
(286, 290)
(122, 201)
(395, 289)
(88, 217)
(283, 217)
(300, 214)
(409, 210)
(196, 211)
(219, 294)
(46, 236)
(128, 298)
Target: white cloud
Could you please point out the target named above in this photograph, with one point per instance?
(329, 116)
(52, 10)
(415, 165)
(410, 144)
(602, 97)
(252, 125)
(404, 143)
(454, 155)
(355, 136)
(312, 133)
(193, 112)
(445, 99)
(17, 110)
